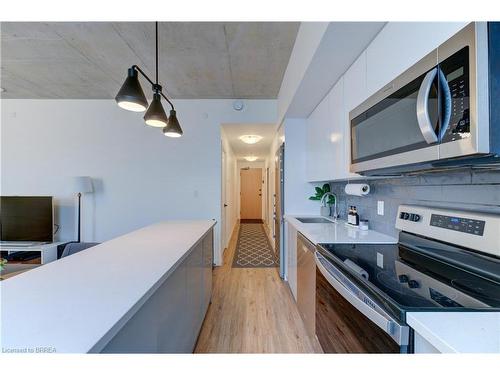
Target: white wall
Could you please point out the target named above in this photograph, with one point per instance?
(140, 176)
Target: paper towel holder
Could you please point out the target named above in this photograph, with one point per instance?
(357, 189)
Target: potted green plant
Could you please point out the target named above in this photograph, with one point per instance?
(326, 204)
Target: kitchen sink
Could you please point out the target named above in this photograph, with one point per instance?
(314, 220)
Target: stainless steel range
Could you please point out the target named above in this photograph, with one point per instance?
(445, 260)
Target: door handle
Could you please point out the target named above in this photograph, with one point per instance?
(225, 205)
(423, 119)
(444, 90)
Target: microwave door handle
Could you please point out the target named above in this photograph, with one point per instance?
(423, 118)
(445, 94)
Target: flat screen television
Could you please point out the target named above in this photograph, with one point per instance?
(26, 219)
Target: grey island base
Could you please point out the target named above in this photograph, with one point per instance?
(145, 292)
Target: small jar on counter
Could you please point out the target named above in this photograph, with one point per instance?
(363, 224)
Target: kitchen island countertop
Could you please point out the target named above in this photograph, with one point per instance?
(78, 303)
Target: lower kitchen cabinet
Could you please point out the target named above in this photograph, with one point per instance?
(171, 318)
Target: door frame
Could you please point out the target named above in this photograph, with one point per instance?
(224, 219)
(242, 165)
(256, 179)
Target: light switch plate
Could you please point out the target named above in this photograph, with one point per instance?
(380, 260)
(380, 208)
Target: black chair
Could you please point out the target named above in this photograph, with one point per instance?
(75, 247)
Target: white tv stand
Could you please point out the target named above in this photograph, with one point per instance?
(48, 251)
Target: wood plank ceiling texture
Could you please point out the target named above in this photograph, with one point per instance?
(89, 60)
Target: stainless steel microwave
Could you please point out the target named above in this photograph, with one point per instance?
(441, 111)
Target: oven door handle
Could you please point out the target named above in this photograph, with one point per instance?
(423, 118)
(366, 306)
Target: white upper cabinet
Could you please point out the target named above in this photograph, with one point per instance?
(400, 45)
(325, 138)
(355, 83)
(354, 94)
(317, 145)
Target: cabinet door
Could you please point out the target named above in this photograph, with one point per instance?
(194, 294)
(208, 249)
(354, 94)
(317, 142)
(291, 249)
(306, 286)
(400, 45)
(326, 137)
(337, 167)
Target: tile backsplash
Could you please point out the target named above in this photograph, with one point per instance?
(466, 190)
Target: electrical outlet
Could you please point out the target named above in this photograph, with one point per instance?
(380, 260)
(380, 208)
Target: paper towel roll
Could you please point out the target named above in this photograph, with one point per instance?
(357, 269)
(357, 189)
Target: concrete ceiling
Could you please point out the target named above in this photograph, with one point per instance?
(241, 149)
(89, 60)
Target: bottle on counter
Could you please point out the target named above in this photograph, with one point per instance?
(355, 217)
(350, 215)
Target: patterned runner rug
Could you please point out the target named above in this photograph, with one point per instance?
(253, 249)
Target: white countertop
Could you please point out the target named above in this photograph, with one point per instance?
(337, 232)
(79, 302)
(458, 332)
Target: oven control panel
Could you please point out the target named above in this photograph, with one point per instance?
(458, 224)
(469, 229)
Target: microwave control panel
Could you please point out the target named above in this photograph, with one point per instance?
(456, 70)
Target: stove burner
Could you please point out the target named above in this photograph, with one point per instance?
(387, 280)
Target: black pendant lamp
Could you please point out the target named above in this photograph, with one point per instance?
(132, 98)
(173, 128)
(155, 115)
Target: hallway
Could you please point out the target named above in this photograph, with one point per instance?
(252, 311)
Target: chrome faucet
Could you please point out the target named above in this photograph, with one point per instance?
(323, 201)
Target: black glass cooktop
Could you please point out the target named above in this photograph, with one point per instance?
(419, 274)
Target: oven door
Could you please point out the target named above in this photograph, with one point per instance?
(348, 320)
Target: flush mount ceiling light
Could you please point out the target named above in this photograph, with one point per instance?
(251, 158)
(132, 98)
(250, 138)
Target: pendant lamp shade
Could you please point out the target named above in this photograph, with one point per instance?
(155, 115)
(173, 128)
(131, 97)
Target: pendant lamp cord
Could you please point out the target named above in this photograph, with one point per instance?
(156, 24)
(145, 75)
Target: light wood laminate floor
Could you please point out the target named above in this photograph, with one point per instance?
(252, 311)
